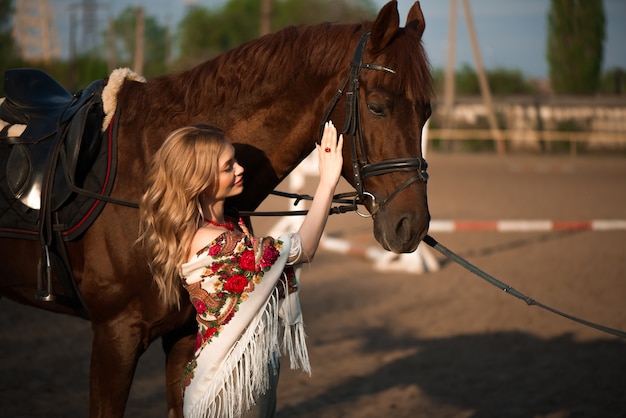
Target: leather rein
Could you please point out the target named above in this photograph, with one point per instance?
(364, 169)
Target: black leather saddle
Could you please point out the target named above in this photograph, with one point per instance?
(61, 139)
(51, 159)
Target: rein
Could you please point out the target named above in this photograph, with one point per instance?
(350, 201)
(350, 205)
(341, 198)
(508, 289)
(362, 169)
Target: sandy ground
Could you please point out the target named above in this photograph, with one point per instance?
(440, 344)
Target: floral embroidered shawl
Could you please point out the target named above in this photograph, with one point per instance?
(246, 301)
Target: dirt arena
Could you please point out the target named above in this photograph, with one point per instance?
(395, 344)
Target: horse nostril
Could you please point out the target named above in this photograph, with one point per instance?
(403, 229)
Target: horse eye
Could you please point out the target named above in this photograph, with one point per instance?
(376, 109)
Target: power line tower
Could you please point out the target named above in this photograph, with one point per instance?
(88, 22)
(35, 31)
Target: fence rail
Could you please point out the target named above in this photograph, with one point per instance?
(529, 135)
(519, 138)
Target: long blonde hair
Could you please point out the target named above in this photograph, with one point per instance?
(183, 168)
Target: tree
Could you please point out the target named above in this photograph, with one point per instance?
(467, 80)
(505, 81)
(576, 34)
(204, 33)
(502, 81)
(9, 53)
(155, 42)
(614, 81)
(291, 12)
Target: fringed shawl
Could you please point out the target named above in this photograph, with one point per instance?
(246, 300)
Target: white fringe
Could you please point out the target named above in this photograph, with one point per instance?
(294, 337)
(244, 375)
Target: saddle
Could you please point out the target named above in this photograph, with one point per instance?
(52, 159)
(60, 141)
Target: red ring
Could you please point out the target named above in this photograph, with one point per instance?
(327, 149)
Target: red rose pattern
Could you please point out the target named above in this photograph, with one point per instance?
(236, 284)
(270, 254)
(200, 306)
(215, 250)
(246, 260)
(235, 271)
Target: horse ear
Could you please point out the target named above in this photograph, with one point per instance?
(385, 26)
(415, 20)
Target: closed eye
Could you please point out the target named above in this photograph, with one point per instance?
(376, 109)
(229, 166)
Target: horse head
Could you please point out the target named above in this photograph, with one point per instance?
(390, 77)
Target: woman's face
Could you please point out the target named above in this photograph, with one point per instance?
(230, 178)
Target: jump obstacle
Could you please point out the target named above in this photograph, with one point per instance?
(387, 261)
(538, 225)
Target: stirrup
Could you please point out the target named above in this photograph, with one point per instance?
(44, 294)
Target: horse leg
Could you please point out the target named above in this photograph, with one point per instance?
(116, 348)
(178, 346)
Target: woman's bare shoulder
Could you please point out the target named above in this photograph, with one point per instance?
(202, 238)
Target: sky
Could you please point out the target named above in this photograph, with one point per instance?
(511, 33)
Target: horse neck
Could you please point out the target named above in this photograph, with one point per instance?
(272, 92)
(269, 96)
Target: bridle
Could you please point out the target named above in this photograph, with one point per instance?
(361, 168)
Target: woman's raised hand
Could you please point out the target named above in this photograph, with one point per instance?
(330, 151)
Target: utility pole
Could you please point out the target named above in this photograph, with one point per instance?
(449, 89)
(111, 48)
(35, 32)
(482, 79)
(449, 83)
(266, 17)
(139, 41)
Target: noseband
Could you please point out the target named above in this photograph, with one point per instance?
(361, 168)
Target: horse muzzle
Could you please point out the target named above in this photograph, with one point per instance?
(400, 233)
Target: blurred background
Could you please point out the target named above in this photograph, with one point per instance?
(539, 75)
(541, 81)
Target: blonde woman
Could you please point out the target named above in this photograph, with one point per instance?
(244, 288)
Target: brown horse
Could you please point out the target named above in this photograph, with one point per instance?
(270, 96)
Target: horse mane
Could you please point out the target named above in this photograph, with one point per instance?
(284, 54)
(269, 63)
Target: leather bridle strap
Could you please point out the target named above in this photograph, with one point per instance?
(352, 124)
(362, 169)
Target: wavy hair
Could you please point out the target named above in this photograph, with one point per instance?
(183, 169)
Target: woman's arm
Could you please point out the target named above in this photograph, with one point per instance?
(330, 163)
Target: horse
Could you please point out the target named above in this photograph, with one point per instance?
(270, 96)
